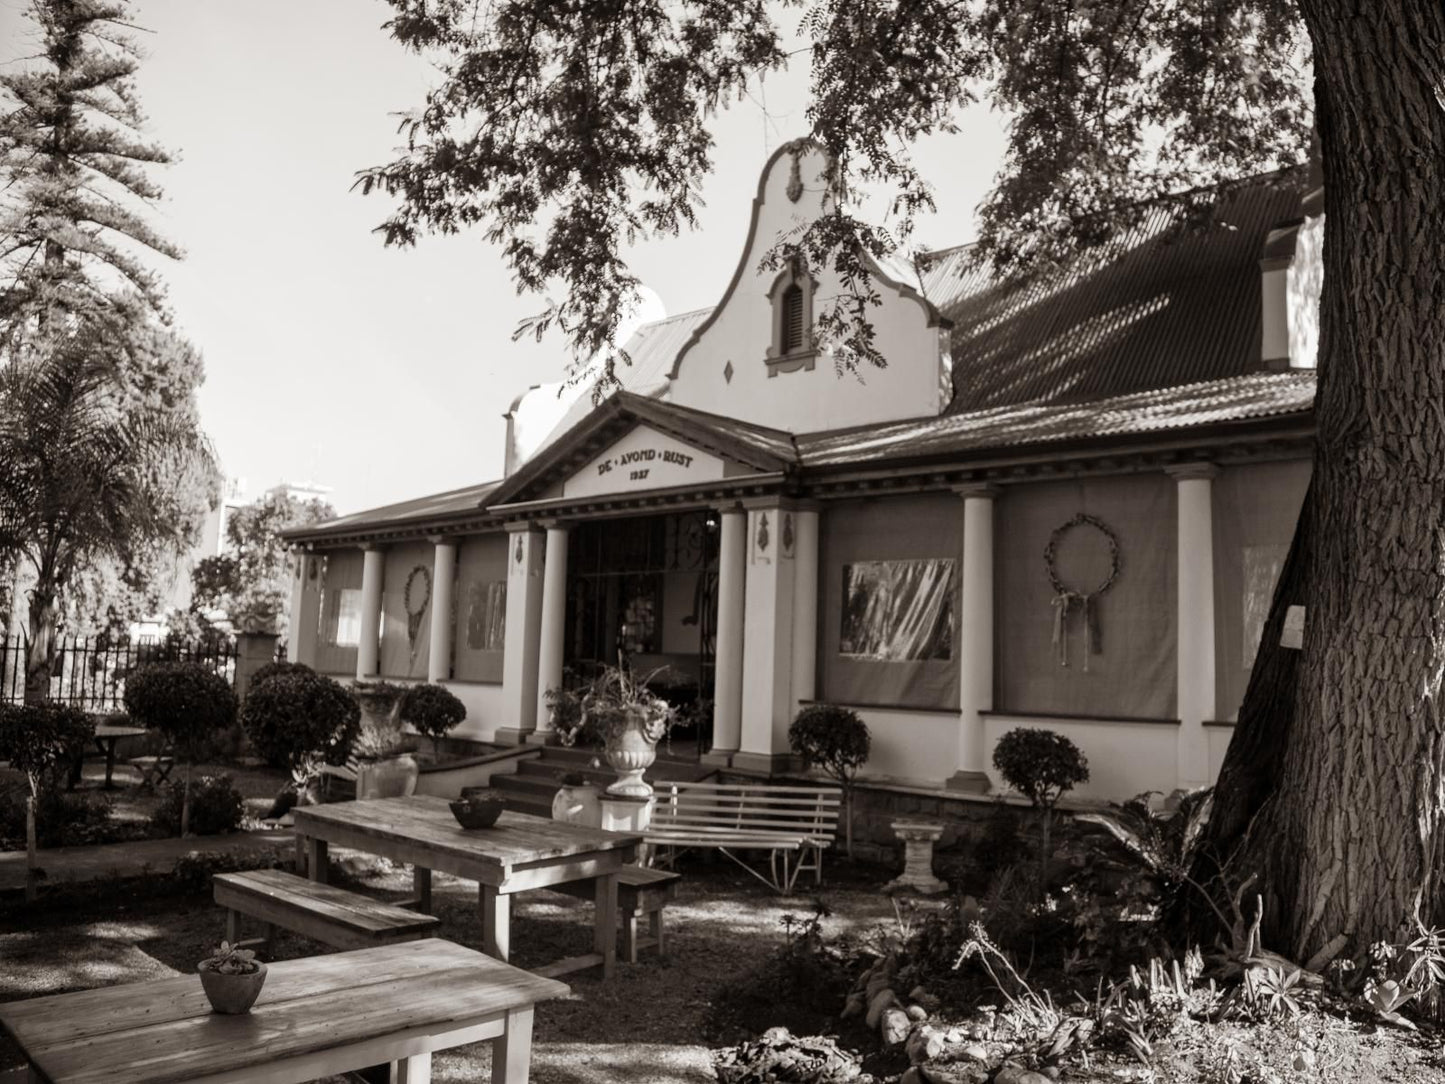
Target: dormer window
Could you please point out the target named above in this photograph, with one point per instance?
(792, 345)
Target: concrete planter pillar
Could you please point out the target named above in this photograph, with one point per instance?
(918, 839)
(253, 651)
(1195, 666)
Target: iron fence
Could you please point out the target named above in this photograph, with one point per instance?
(90, 672)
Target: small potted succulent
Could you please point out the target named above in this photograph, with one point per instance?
(232, 979)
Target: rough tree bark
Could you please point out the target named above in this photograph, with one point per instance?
(1333, 788)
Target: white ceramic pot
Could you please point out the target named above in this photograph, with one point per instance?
(578, 805)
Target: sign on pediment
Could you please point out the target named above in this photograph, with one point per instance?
(643, 459)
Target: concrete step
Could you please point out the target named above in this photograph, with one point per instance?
(527, 784)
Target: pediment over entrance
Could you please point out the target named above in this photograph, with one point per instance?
(644, 459)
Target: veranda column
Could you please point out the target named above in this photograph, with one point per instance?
(1195, 666)
(727, 711)
(805, 604)
(975, 636)
(297, 561)
(369, 640)
(554, 624)
(305, 624)
(524, 627)
(443, 623)
(768, 645)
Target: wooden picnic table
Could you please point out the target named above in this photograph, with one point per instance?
(518, 853)
(105, 737)
(316, 1017)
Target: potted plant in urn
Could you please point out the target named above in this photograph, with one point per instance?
(232, 978)
(631, 719)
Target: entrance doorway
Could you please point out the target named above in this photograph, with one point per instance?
(643, 591)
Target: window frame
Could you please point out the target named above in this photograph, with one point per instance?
(804, 355)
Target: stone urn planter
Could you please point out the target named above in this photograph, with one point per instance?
(380, 703)
(392, 777)
(578, 803)
(631, 752)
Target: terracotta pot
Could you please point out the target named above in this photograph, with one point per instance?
(631, 754)
(232, 994)
(578, 805)
(394, 777)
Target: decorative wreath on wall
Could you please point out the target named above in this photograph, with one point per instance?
(1067, 598)
(415, 610)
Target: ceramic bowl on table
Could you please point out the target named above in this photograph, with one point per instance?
(478, 809)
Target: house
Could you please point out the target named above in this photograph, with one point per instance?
(1063, 503)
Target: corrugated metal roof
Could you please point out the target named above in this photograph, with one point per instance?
(435, 506)
(1257, 395)
(1157, 308)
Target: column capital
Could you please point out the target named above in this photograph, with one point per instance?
(442, 539)
(732, 508)
(523, 526)
(555, 524)
(1183, 472)
(983, 490)
(370, 547)
(779, 501)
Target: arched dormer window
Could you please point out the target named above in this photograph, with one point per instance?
(792, 346)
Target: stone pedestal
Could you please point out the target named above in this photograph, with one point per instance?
(624, 813)
(918, 839)
(253, 651)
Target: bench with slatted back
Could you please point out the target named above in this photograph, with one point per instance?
(793, 824)
(322, 912)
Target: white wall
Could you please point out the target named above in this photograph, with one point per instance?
(1218, 736)
(740, 333)
(1125, 759)
(484, 709)
(914, 747)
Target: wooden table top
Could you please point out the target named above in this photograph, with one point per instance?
(425, 821)
(104, 730)
(163, 1030)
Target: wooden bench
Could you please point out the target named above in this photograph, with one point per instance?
(785, 821)
(641, 893)
(153, 770)
(320, 911)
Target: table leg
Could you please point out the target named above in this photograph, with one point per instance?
(316, 859)
(604, 937)
(416, 1069)
(512, 1050)
(421, 885)
(109, 752)
(496, 922)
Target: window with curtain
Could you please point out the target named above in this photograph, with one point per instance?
(343, 618)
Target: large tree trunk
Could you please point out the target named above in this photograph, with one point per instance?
(1333, 790)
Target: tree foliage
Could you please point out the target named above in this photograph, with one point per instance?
(1040, 764)
(42, 740)
(297, 719)
(252, 579)
(432, 710)
(569, 132)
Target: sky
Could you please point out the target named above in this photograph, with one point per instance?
(384, 373)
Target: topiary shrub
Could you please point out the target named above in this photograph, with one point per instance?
(836, 741)
(299, 721)
(276, 669)
(216, 807)
(42, 741)
(433, 711)
(1043, 766)
(189, 703)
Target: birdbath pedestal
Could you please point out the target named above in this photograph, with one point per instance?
(918, 839)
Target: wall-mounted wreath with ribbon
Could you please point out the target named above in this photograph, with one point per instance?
(1067, 597)
(415, 599)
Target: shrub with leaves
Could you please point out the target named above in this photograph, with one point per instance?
(42, 741)
(189, 703)
(299, 721)
(216, 808)
(433, 711)
(835, 740)
(276, 669)
(1043, 766)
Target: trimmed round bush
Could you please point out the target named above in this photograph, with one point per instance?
(1040, 764)
(186, 701)
(43, 740)
(431, 710)
(296, 717)
(276, 669)
(832, 738)
(216, 807)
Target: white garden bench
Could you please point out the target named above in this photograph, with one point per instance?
(793, 824)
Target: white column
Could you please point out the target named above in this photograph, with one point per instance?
(306, 614)
(1195, 619)
(554, 622)
(727, 712)
(443, 620)
(805, 605)
(975, 636)
(768, 645)
(297, 560)
(524, 626)
(369, 646)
